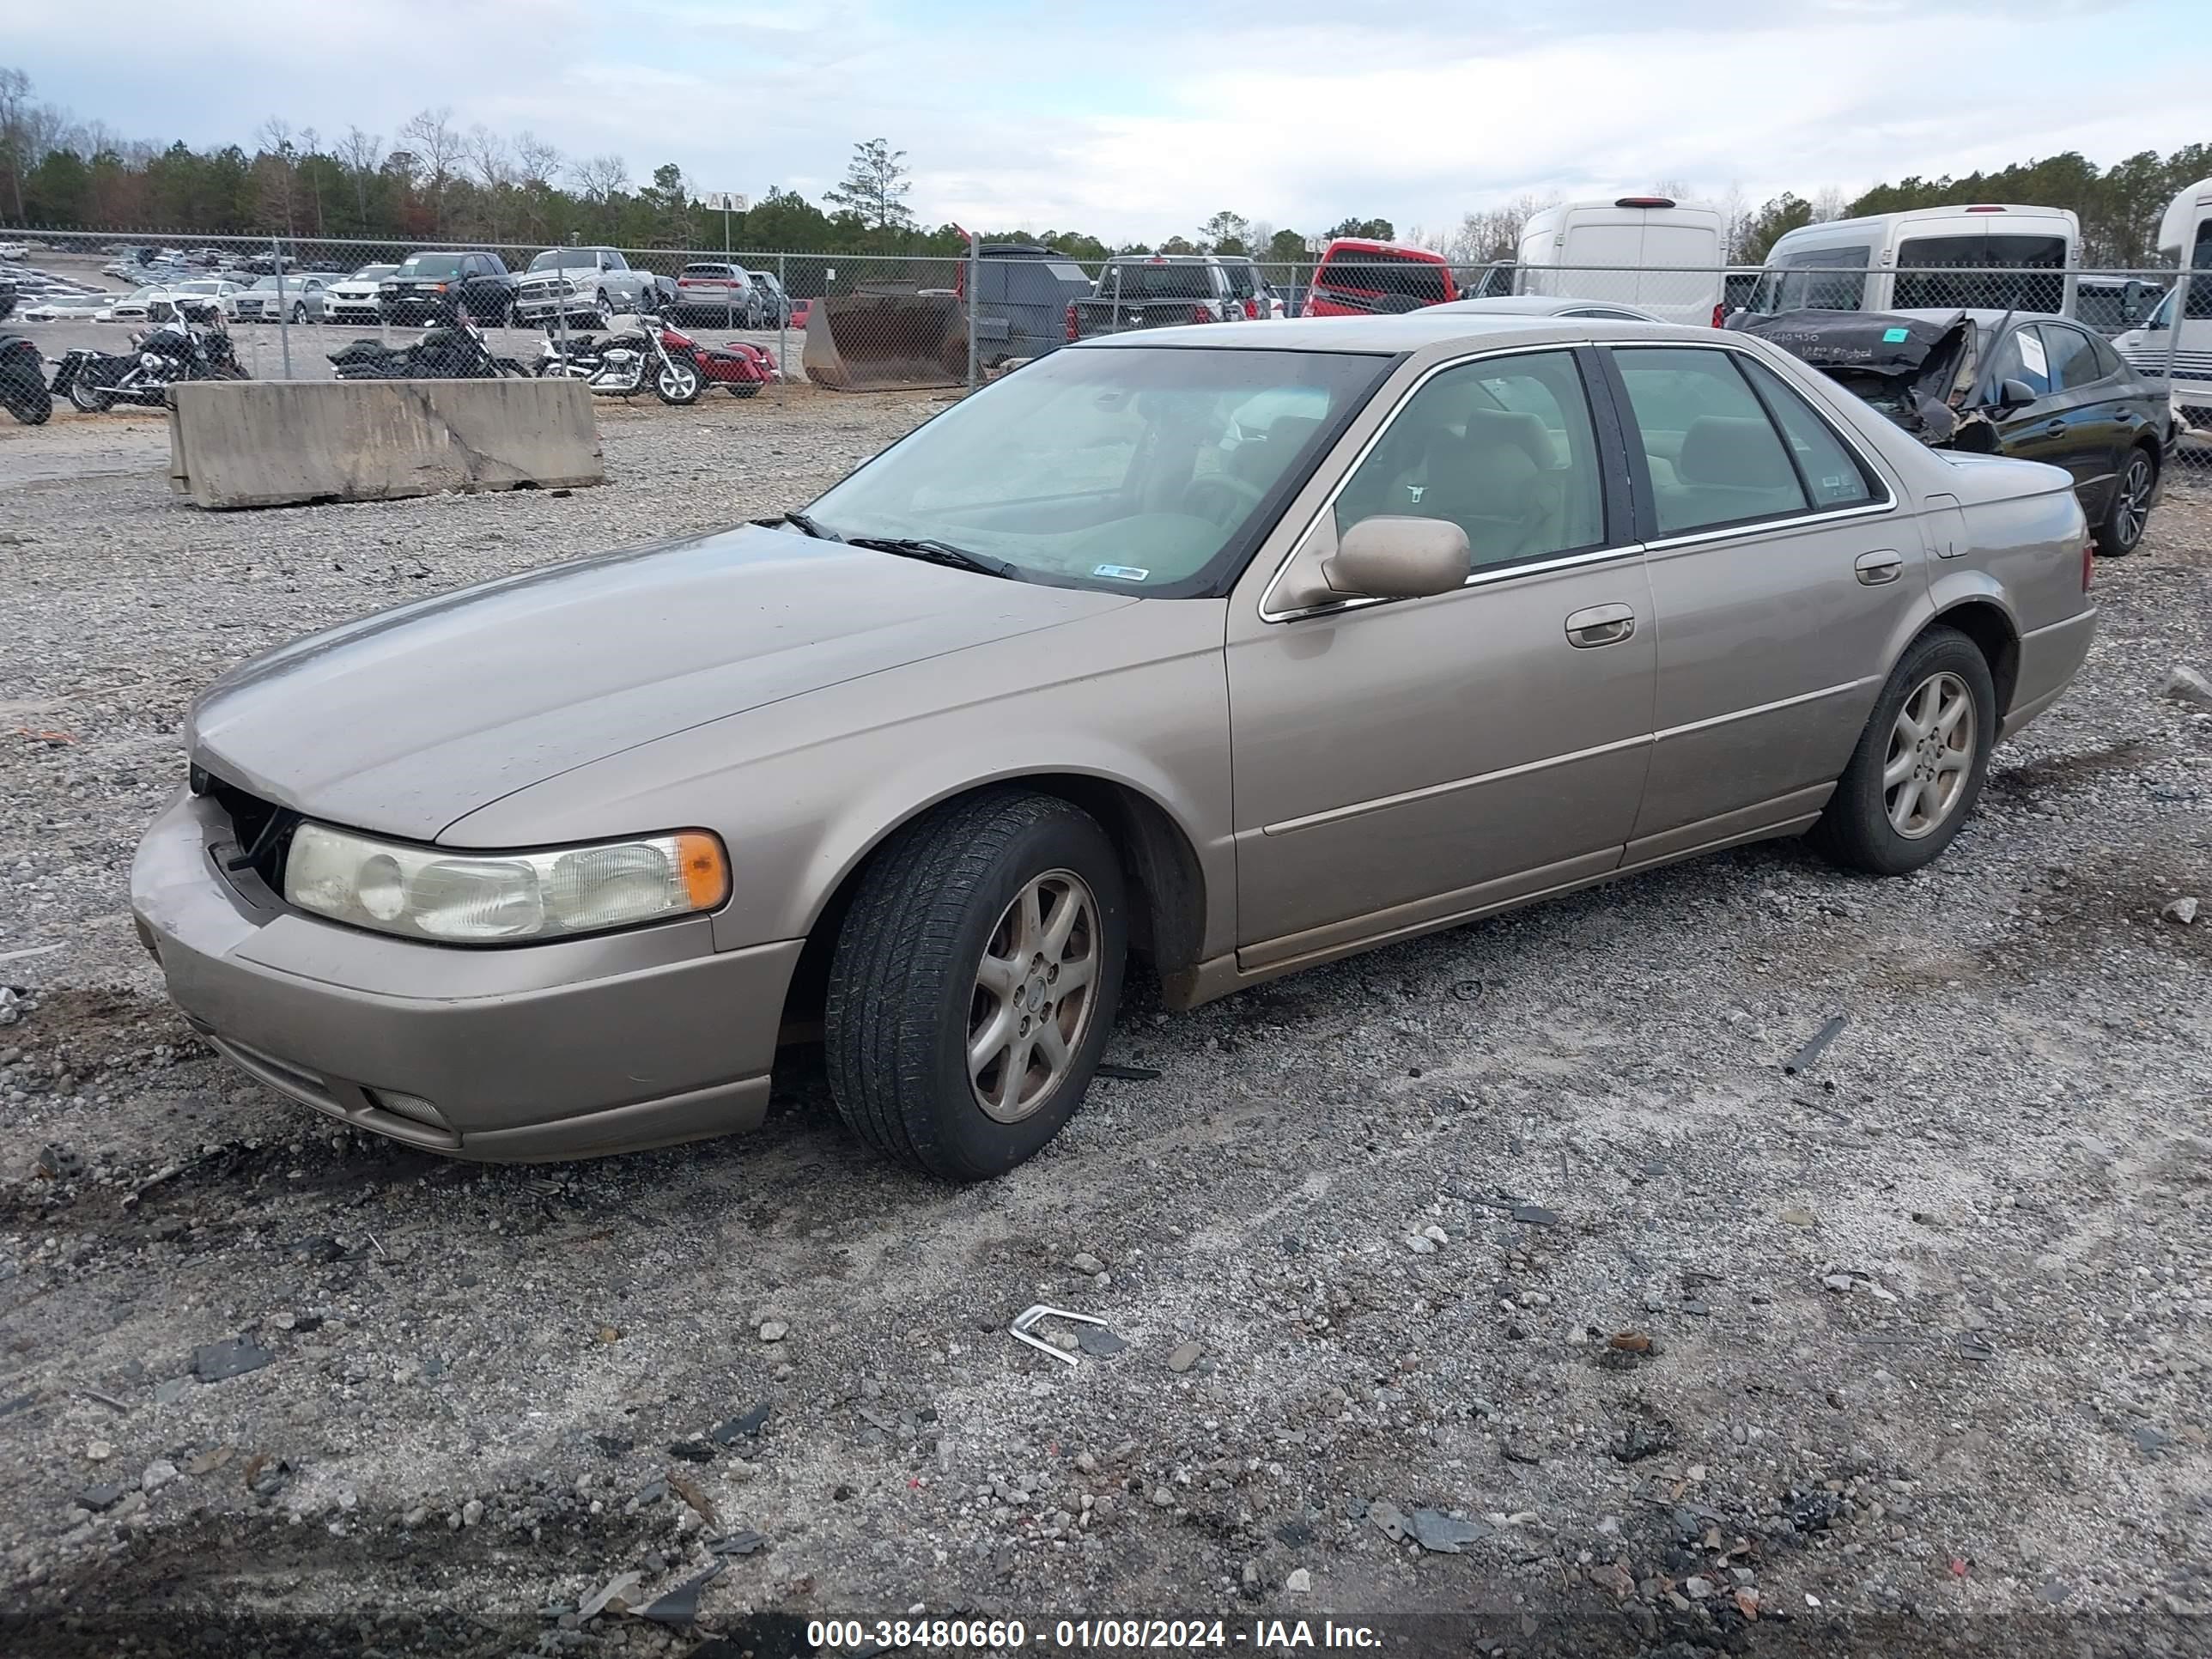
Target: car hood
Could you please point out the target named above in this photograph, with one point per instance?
(407, 720)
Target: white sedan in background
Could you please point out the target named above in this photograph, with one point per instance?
(70, 308)
(354, 300)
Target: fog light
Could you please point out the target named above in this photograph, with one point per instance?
(406, 1105)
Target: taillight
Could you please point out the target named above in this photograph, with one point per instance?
(1720, 313)
(1072, 335)
(1199, 314)
(1251, 311)
(2088, 562)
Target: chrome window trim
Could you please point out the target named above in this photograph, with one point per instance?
(1890, 501)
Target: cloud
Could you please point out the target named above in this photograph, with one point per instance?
(1141, 119)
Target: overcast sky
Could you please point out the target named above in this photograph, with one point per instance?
(1140, 118)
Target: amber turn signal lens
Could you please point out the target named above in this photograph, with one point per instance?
(705, 870)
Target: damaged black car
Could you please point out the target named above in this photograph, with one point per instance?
(2004, 383)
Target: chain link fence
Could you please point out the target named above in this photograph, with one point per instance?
(295, 307)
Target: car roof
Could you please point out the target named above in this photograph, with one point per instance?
(1539, 305)
(1410, 331)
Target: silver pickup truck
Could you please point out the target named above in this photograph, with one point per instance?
(585, 285)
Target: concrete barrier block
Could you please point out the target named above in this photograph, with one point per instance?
(267, 443)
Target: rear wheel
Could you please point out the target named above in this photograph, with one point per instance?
(2125, 520)
(975, 982)
(31, 403)
(1919, 764)
(91, 399)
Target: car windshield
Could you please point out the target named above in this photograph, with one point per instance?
(700, 271)
(566, 258)
(1135, 469)
(372, 273)
(430, 266)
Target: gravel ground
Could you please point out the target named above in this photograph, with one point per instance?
(1504, 1276)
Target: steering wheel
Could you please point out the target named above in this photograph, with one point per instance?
(1222, 497)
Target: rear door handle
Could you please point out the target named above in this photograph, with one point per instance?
(1877, 569)
(1599, 624)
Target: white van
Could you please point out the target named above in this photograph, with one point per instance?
(1649, 252)
(1926, 258)
(2187, 224)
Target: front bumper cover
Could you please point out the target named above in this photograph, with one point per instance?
(566, 1049)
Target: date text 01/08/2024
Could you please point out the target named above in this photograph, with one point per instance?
(1100, 1635)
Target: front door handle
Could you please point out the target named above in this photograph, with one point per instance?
(2054, 426)
(1877, 569)
(1599, 624)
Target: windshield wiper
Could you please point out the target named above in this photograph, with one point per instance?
(803, 522)
(936, 552)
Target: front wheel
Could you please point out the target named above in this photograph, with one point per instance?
(677, 382)
(299, 312)
(2124, 520)
(1919, 764)
(975, 981)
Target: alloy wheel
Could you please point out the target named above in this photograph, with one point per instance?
(1035, 991)
(2135, 499)
(1931, 755)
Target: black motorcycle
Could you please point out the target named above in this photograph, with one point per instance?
(456, 353)
(190, 343)
(23, 380)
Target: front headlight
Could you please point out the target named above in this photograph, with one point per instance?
(475, 898)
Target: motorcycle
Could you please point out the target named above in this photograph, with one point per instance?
(739, 369)
(624, 363)
(457, 352)
(23, 380)
(188, 342)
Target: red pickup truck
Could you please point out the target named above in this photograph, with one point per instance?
(1360, 278)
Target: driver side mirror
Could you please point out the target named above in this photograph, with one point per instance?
(2016, 394)
(1388, 557)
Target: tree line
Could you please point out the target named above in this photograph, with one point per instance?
(434, 181)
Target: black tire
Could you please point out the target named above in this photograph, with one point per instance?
(1856, 831)
(677, 383)
(90, 399)
(298, 313)
(2121, 530)
(32, 404)
(903, 982)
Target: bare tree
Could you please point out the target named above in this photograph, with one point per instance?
(14, 135)
(311, 149)
(495, 168)
(361, 153)
(1828, 203)
(537, 162)
(277, 173)
(438, 148)
(601, 179)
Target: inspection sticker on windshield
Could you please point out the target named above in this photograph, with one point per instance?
(1895, 336)
(1120, 573)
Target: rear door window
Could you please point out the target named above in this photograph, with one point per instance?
(1831, 473)
(2072, 358)
(1715, 457)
